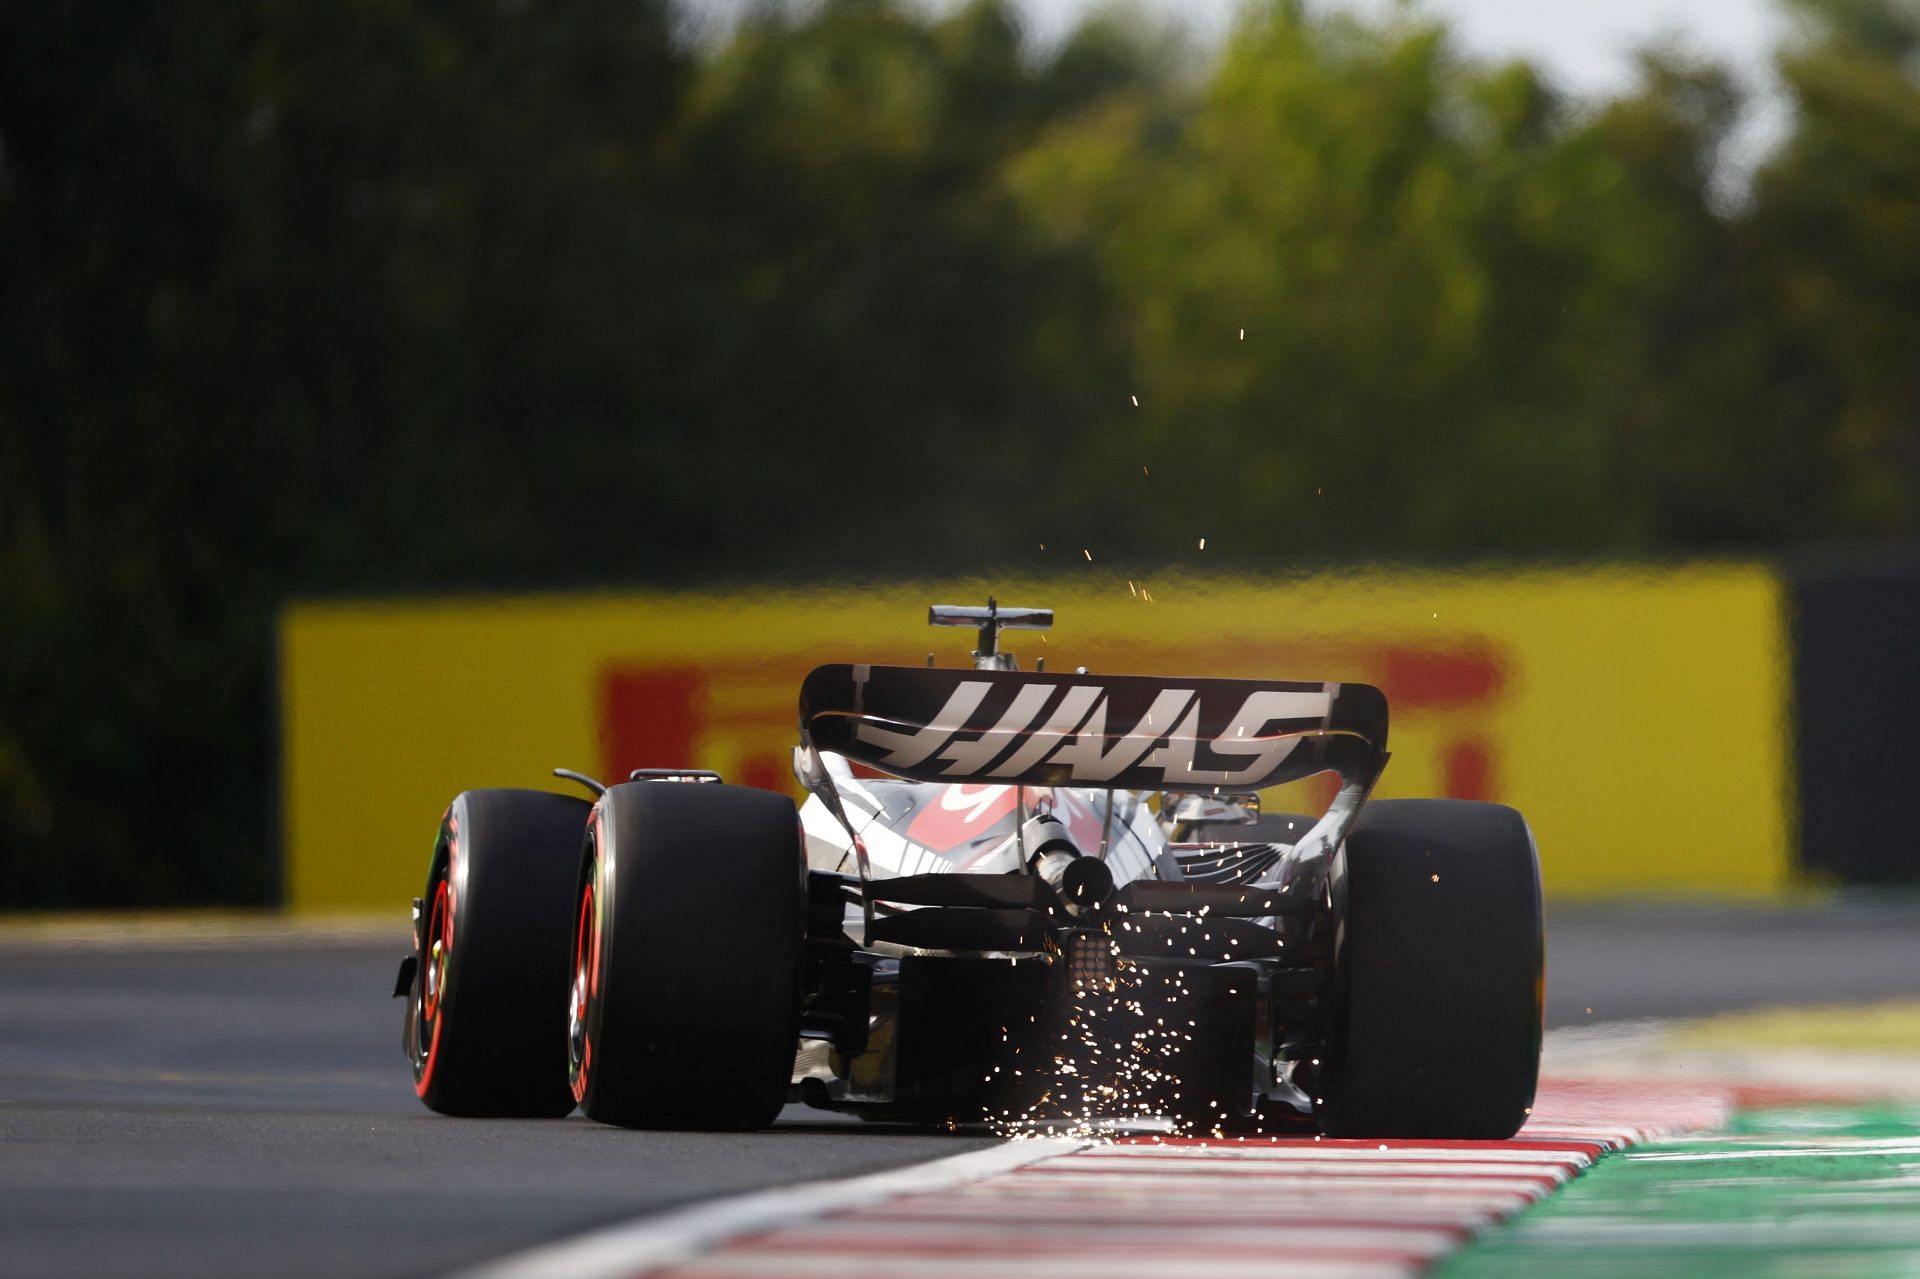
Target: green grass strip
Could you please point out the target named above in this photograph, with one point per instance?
(1832, 1192)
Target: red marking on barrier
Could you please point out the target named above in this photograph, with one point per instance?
(1438, 677)
(768, 772)
(1467, 767)
(649, 717)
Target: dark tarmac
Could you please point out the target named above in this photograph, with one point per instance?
(241, 1107)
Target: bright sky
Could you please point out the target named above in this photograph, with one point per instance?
(1590, 44)
(1585, 44)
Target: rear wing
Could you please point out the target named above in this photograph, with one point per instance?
(1128, 732)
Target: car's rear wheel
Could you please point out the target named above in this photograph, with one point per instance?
(483, 1015)
(1439, 974)
(686, 957)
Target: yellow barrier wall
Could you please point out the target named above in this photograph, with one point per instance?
(1637, 717)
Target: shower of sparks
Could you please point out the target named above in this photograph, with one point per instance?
(1110, 1059)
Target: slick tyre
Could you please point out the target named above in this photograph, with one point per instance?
(687, 947)
(484, 1025)
(1439, 974)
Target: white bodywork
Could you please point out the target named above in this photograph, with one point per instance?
(926, 828)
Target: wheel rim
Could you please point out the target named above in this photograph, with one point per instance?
(433, 982)
(579, 1040)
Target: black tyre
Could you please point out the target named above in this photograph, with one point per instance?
(687, 948)
(1439, 974)
(484, 1026)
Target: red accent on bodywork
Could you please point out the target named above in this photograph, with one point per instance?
(959, 815)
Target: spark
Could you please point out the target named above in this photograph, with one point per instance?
(1089, 554)
(1136, 401)
(1203, 543)
(1243, 335)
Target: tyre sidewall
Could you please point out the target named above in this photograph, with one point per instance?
(508, 858)
(1439, 964)
(700, 889)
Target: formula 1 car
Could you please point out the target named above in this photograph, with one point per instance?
(981, 914)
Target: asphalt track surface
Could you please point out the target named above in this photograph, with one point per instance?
(241, 1106)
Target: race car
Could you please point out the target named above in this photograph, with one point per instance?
(1014, 898)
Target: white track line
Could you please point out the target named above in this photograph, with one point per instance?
(671, 1237)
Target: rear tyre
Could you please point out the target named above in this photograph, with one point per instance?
(1439, 974)
(484, 1029)
(689, 913)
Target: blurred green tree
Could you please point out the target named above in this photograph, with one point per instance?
(318, 296)
(1463, 299)
(1835, 233)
